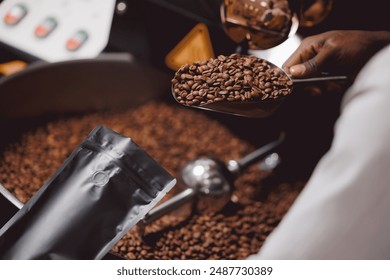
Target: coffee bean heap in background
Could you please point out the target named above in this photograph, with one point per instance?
(231, 78)
(269, 15)
(163, 131)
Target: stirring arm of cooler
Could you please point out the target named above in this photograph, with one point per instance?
(169, 205)
(235, 167)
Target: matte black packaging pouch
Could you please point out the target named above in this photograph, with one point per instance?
(100, 192)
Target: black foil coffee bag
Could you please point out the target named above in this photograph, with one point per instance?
(100, 192)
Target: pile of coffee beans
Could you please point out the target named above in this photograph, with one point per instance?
(231, 78)
(164, 132)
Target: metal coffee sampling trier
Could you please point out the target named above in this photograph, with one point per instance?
(210, 182)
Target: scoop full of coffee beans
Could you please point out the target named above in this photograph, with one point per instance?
(231, 78)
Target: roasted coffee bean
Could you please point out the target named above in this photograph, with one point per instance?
(252, 77)
(255, 94)
(186, 87)
(265, 96)
(196, 101)
(172, 136)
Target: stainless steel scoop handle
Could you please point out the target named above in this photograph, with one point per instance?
(321, 79)
(238, 166)
(165, 208)
(169, 205)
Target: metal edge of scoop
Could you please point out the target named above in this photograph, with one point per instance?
(249, 109)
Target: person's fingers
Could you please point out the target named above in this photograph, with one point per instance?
(311, 67)
(304, 52)
(296, 58)
(307, 69)
(297, 70)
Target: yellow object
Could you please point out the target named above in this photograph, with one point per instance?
(12, 67)
(195, 46)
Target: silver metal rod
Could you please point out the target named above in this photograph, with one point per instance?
(169, 205)
(259, 154)
(321, 79)
(11, 198)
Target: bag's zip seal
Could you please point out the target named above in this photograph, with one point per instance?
(87, 144)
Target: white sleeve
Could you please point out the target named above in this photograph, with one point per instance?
(344, 210)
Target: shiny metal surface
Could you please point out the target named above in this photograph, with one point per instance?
(169, 205)
(262, 23)
(212, 182)
(312, 12)
(110, 82)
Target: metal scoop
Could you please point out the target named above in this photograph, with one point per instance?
(209, 182)
(261, 108)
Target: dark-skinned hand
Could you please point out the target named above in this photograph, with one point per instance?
(335, 52)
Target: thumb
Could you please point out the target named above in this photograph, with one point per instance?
(305, 70)
(310, 68)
